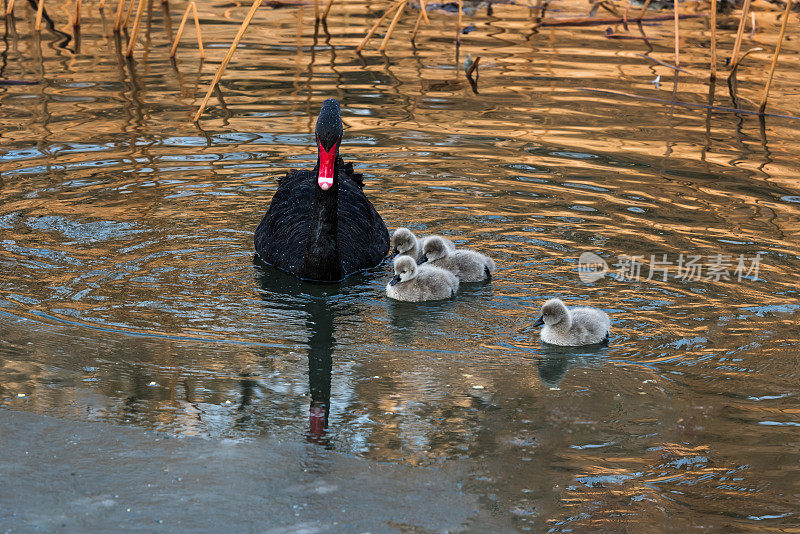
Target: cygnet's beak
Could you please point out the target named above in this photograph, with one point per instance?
(422, 259)
(539, 322)
(394, 253)
(394, 280)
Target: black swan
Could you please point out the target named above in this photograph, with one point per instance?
(320, 225)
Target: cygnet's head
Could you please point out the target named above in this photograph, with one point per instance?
(434, 248)
(553, 312)
(404, 269)
(403, 240)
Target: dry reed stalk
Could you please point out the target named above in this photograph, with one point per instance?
(738, 44)
(367, 37)
(135, 32)
(327, 9)
(644, 9)
(713, 40)
(227, 58)
(199, 34)
(39, 11)
(77, 22)
(741, 58)
(538, 7)
(168, 22)
(677, 35)
(193, 7)
(423, 5)
(472, 68)
(460, 15)
(416, 27)
(752, 25)
(118, 16)
(392, 25)
(537, 19)
(10, 7)
(128, 14)
(316, 9)
(775, 56)
(654, 60)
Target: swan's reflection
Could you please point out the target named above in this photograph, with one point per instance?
(315, 300)
(320, 364)
(247, 388)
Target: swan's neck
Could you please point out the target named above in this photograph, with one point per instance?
(321, 260)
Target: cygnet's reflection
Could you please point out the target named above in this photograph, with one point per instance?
(408, 319)
(555, 361)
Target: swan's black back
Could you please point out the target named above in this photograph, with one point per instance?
(281, 236)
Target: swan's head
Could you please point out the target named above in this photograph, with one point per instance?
(433, 249)
(404, 269)
(329, 135)
(403, 241)
(553, 312)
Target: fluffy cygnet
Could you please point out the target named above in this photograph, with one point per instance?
(467, 265)
(574, 326)
(449, 244)
(405, 242)
(415, 284)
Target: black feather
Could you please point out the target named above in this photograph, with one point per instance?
(357, 177)
(282, 234)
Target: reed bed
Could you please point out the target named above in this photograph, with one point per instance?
(125, 10)
(227, 58)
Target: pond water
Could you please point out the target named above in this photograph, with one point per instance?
(129, 292)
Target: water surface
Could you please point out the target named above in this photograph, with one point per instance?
(129, 292)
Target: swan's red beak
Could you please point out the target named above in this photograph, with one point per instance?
(326, 160)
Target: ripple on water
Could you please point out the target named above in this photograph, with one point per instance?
(127, 260)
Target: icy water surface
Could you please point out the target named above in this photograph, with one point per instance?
(129, 292)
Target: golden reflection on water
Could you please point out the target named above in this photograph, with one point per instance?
(129, 293)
